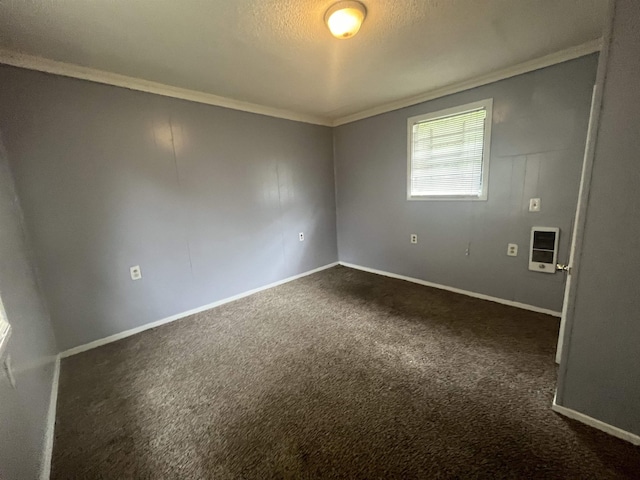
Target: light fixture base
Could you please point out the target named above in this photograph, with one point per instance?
(345, 18)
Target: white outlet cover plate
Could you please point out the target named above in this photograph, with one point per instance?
(534, 205)
(301, 236)
(414, 238)
(136, 273)
(512, 250)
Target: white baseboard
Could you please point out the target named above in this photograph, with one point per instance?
(481, 296)
(45, 466)
(173, 318)
(592, 422)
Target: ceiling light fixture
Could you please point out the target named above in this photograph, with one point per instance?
(344, 18)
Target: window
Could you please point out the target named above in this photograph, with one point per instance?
(5, 330)
(449, 153)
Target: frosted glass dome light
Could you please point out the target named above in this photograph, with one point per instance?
(345, 18)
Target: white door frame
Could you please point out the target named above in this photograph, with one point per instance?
(568, 305)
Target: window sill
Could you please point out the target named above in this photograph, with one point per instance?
(452, 198)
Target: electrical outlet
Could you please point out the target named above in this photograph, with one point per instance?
(512, 250)
(534, 205)
(414, 238)
(136, 273)
(301, 236)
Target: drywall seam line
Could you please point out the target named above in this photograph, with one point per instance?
(481, 296)
(45, 466)
(173, 318)
(335, 186)
(281, 214)
(179, 184)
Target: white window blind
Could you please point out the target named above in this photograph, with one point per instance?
(447, 153)
(5, 329)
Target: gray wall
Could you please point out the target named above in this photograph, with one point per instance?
(23, 410)
(208, 201)
(539, 127)
(601, 359)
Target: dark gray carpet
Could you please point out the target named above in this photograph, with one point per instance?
(341, 374)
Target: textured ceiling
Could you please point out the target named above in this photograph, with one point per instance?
(278, 53)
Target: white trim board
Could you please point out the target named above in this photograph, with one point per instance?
(40, 64)
(31, 62)
(592, 422)
(173, 318)
(526, 67)
(45, 466)
(481, 296)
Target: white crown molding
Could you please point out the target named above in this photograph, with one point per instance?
(536, 64)
(481, 296)
(30, 62)
(40, 64)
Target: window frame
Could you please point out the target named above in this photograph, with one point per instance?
(487, 104)
(5, 330)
